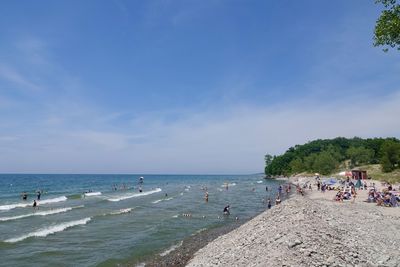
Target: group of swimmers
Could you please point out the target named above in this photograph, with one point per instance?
(226, 210)
(24, 196)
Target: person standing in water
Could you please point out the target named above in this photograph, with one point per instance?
(277, 200)
(226, 210)
(38, 194)
(24, 196)
(206, 196)
(269, 203)
(34, 204)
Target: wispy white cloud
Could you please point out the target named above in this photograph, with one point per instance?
(205, 141)
(16, 78)
(66, 132)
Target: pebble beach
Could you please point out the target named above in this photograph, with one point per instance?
(311, 230)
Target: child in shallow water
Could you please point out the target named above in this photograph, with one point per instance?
(269, 203)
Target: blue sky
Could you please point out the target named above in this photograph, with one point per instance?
(186, 86)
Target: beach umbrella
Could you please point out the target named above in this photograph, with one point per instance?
(345, 173)
(330, 181)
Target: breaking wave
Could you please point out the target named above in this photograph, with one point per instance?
(49, 230)
(13, 206)
(52, 200)
(121, 211)
(90, 194)
(40, 202)
(163, 199)
(116, 199)
(38, 213)
(170, 249)
(229, 184)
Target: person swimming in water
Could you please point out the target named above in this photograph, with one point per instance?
(226, 210)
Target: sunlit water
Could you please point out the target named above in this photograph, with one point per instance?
(108, 226)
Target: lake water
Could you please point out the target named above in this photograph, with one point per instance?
(108, 227)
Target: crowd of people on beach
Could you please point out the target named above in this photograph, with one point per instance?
(388, 197)
(347, 189)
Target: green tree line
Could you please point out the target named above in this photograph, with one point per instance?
(325, 155)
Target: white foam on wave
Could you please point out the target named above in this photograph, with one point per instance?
(199, 231)
(175, 216)
(52, 200)
(163, 199)
(259, 182)
(38, 213)
(13, 206)
(135, 195)
(29, 204)
(170, 249)
(229, 184)
(90, 194)
(49, 230)
(121, 211)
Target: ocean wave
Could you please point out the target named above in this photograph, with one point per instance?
(74, 196)
(229, 184)
(38, 213)
(49, 230)
(116, 199)
(170, 249)
(13, 206)
(29, 204)
(52, 200)
(259, 182)
(121, 211)
(163, 199)
(199, 231)
(90, 194)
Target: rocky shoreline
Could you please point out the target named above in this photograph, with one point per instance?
(310, 231)
(181, 255)
(184, 252)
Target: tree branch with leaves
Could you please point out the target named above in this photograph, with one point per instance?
(387, 28)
